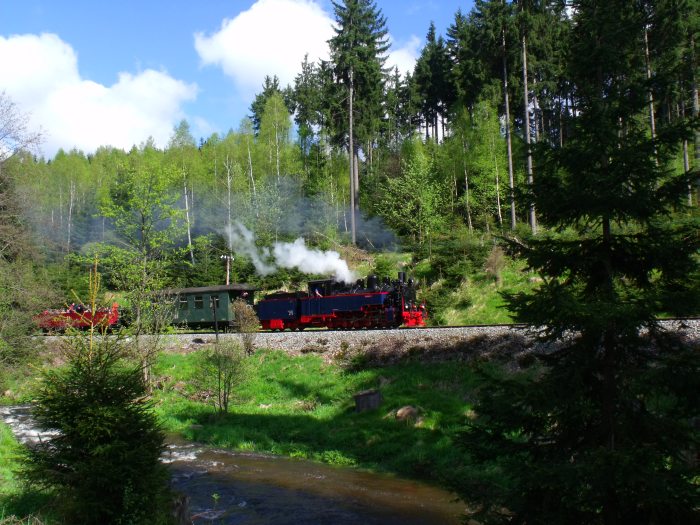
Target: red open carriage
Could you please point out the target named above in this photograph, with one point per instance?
(77, 316)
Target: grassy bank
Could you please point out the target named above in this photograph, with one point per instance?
(303, 407)
(15, 498)
(299, 406)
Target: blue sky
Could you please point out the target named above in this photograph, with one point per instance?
(93, 73)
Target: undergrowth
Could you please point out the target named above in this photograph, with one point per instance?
(303, 407)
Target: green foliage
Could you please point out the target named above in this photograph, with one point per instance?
(302, 406)
(383, 266)
(601, 431)
(414, 201)
(141, 203)
(358, 51)
(495, 263)
(25, 292)
(473, 297)
(538, 441)
(104, 463)
(453, 257)
(19, 505)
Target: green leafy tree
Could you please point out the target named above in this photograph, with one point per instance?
(271, 86)
(24, 285)
(182, 157)
(600, 432)
(274, 138)
(433, 79)
(413, 204)
(141, 205)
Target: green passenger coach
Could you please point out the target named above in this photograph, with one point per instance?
(195, 307)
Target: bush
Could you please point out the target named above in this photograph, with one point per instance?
(247, 324)
(221, 369)
(104, 460)
(495, 263)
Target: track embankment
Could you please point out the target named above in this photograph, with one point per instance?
(386, 346)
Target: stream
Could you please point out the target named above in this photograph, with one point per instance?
(228, 487)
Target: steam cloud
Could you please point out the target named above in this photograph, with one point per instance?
(287, 255)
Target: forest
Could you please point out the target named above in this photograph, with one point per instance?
(442, 155)
(560, 136)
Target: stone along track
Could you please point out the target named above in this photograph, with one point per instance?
(385, 346)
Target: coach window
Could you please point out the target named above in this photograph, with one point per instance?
(198, 302)
(183, 303)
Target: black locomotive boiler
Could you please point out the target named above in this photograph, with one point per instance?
(370, 303)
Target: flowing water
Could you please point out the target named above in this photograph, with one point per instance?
(228, 487)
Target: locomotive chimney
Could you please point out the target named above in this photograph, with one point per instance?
(402, 277)
(372, 282)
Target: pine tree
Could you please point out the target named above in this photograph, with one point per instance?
(602, 431)
(271, 86)
(358, 54)
(104, 461)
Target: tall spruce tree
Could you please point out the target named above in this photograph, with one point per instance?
(358, 52)
(602, 431)
(433, 81)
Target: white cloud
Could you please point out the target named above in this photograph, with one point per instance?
(404, 57)
(270, 38)
(40, 73)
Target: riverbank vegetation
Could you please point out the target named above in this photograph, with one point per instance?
(302, 406)
(16, 499)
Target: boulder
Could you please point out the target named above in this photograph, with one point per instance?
(407, 413)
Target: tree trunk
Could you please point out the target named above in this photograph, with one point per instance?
(229, 183)
(277, 147)
(187, 218)
(696, 114)
(686, 159)
(252, 179)
(511, 179)
(351, 155)
(498, 184)
(650, 95)
(466, 187)
(71, 204)
(526, 121)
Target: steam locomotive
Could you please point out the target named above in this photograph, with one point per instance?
(370, 303)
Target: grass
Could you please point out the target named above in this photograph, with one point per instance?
(478, 299)
(303, 407)
(16, 499)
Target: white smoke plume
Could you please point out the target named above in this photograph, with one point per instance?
(288, 255)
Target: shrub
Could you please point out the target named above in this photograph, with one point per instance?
(104, 460)
(495, 263)
(247, 324)
(221, 369)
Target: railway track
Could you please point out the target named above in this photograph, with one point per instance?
(478, 338)
(402, 338)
